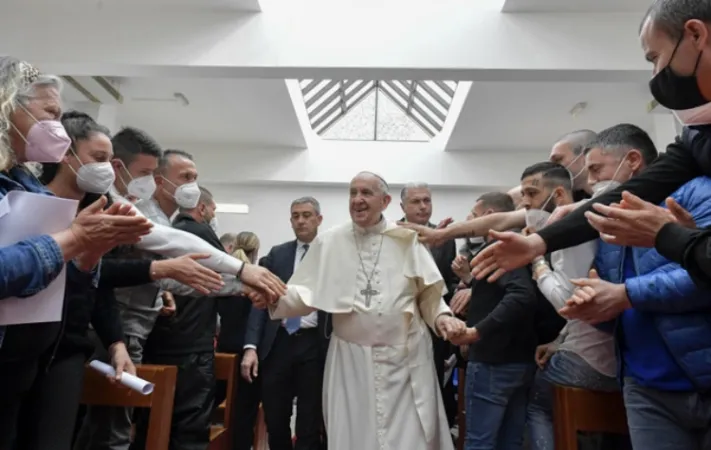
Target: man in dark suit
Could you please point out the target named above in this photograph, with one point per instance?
(416, 204)
(290, 354)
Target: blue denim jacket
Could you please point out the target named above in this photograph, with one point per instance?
(28, 266)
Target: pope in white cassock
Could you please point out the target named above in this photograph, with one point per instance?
(383, 288)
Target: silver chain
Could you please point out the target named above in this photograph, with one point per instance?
(362, 264)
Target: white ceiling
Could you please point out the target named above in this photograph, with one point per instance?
(576, 5)
(256, 113)
(512, 116)
(236, 5)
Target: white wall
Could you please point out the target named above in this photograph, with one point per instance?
(269, 208)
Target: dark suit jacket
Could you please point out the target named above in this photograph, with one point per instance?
(261, 330)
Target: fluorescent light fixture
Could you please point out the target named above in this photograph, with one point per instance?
(232, 208)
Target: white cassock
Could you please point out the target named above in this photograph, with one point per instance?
(380, 385)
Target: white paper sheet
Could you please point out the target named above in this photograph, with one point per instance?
(24, 215)
(130, 381)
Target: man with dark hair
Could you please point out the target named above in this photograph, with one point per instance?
(676, 38)
(503, 343)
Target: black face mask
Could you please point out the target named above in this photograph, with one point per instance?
(677, 92)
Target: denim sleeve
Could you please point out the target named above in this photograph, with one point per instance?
(29, 266)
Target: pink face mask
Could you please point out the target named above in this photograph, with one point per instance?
(701, 115)
(47, 142)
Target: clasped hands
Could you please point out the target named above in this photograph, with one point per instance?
(634, 222)
(595, 300)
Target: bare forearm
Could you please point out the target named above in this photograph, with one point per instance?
(481, 226)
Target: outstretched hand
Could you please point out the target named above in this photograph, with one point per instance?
(427, 236)
(635, 222)
(510, 252)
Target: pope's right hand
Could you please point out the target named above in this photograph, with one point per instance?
(510, 252)
(249, 367)
(263, 280)
(98, 230)
(258, 299)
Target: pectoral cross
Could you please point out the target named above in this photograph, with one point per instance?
(368, 292)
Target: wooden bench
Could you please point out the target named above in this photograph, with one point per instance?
(99, 391)
(584, 410)
(226, 369)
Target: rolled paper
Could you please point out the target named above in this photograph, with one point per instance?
(130, 381)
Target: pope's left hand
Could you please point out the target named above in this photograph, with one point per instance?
(596, 300)
(634, 222)
(120, 361)
(450, 327)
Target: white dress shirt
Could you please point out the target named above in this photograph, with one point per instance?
(310, 321)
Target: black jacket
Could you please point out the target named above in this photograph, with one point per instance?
(504, 314)
(193, 327)
(86, 304)
(261, 331)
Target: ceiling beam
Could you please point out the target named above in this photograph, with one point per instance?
(472, 44)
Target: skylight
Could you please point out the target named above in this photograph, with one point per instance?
(377, 110)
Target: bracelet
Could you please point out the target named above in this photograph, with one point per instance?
(241, 269)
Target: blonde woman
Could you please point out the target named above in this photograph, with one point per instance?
(30, 131)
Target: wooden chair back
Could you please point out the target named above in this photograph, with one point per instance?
(577, 409)
(99, 391)
(226, 369)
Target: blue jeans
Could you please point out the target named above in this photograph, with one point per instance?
(663, 420)
(496, 397)
(567, 369)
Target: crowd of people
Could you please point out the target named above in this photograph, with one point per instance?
(592, 273)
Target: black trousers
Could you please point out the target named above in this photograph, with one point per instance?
(192, 404)
(293, 369)
(246, 409)
(16, 381)
(49, 412)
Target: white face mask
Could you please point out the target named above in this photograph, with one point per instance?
(601, 187)
(574, 176)
(95, 177)
(142, 187)
(213, 224)
(537, 218)
(187, 195)
(604, 186)
(701, 115)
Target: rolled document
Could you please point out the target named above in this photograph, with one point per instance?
(128, 380)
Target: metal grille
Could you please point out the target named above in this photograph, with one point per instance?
(426, 103)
